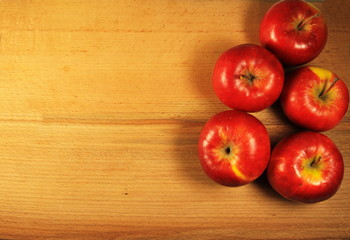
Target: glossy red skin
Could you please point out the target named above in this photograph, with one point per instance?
(278, 32)
(284, 169)
(239, 94)
(250, 137)
(304, 109)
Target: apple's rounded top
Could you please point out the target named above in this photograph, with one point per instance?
(314, 98)
(306, 167)
(294, 30)
(234, 148)
(248, 77)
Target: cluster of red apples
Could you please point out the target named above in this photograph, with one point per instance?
(234, 146)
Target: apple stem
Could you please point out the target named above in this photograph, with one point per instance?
(315, 161)
(301, 25)
(326, 89)
(248, 76)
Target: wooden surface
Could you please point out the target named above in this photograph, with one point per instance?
(102, 103)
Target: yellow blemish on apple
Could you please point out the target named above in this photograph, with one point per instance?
(237, 172)
(228, 151)
(325, 91)
(321, 73)
(312, 170)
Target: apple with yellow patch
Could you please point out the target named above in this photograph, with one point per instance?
(234, 148)
(306, 167)
(314, 98)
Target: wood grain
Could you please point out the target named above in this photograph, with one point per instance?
(102, 103)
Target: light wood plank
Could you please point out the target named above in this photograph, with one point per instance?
(101, 107)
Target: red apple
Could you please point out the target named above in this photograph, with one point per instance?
(314, 98)
(306, 167)
(248, 78)
(234, 148)
(294, 30)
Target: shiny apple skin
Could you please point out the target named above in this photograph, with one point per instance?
(301, 103)
(239, 93)
(280, 35)
(290, 174)
(249, 145)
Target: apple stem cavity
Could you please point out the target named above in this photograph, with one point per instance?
(248, 76)
(228, 150)
(326, 89)
(315, 161)
(302, 23)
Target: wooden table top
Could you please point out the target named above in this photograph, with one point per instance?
(102, 103)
